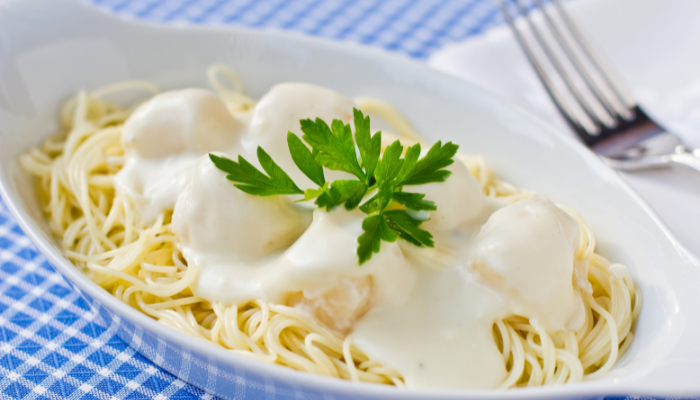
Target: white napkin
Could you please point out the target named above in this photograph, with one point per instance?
(653, 46)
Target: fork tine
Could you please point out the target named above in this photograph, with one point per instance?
(579, 98)
(574, 60)
(597, 62)
(561, 105)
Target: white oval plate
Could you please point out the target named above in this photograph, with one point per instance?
(51, 48)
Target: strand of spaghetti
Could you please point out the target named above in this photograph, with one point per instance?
(548, 350)
(135, 251)
(237, 96)
(362, 376)
(80, 126)
(637, 304)
(253, 322)
(31, 163)
(231, 326)
(538, 349)
(349, 361)
(620, 307)
(71, 235)
(80, 256)
(56, 203)
(308, 323)
(613, 340)
(518, 354)
(595, 347)
(157, 292)
(178, 320)
(208, 322)
(216, 329)
(249, 344)
(227, 334)
(78, 180)
(230, 334)
(124, 250)
(128, 222)
(125, 86)
(261, 348)
(391, 115)
(262, 326)
(536, 378)
(329, 346)
(318, 356)
(595, 332)
(505, 339)
(177, 302)
(398, 382)
(575, 368)
(164, 269)
(112, 216)
(287, 357)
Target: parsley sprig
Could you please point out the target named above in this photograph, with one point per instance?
(386, 174)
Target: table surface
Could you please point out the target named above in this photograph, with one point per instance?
(51, 346)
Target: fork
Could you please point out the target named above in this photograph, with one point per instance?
(590, 98)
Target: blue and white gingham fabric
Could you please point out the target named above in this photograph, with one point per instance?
(53, 344)
(413, 27)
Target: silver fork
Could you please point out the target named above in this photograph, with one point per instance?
(589, 97)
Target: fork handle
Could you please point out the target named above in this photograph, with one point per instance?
(682, 156)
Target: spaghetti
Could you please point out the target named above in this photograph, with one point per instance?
(143, 267)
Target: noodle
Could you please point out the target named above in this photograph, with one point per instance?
(142, 266)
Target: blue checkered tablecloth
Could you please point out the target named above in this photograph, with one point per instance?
(52, 345)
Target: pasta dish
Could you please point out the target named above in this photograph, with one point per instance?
(509, 292)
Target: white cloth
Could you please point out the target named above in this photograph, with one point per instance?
(654, 48)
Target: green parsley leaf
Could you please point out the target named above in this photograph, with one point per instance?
(431, 167)
(385, 194)
(390, 164)
(370, 206)
(387, 169)
(375, 230)
(304, 159)
(370, 146)
(414, 201)
(409, 162)
(407, 227)
(349, 192)
(336, 149)
(310, 194)
(250, 180)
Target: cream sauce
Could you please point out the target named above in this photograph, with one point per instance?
(229, 235)
(279, 112)
(427, 313)
(461, 210)
(520, 263)
(163, 139)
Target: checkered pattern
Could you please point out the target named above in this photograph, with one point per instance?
(413, 27)
(53, 342)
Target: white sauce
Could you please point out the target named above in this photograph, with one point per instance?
(460, 201)
(427, 313)
(525, 252)
(279, 112)
(442, 336)
(163, 139)
(228, 234)
(323, 265)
